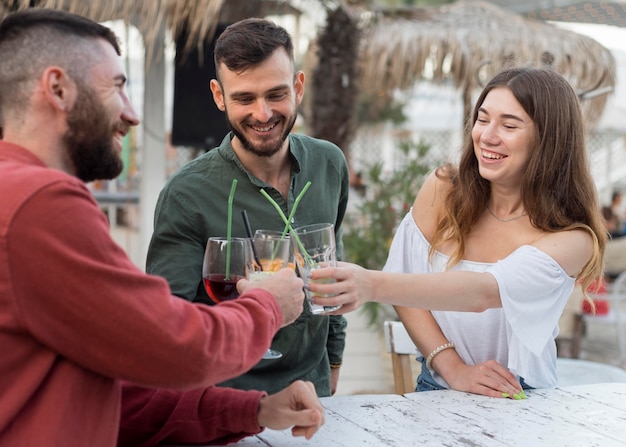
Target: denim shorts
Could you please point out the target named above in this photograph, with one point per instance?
(426, 382)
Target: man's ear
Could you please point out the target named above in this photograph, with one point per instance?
(218, 94)
(58, 88)
(298, 86)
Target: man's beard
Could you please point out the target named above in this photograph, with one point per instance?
(89, 138)
(262, 150)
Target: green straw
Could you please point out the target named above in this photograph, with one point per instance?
(287, 221)
(295, 205)
(293, 212)
(230, 226)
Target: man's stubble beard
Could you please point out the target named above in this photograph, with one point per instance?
(89, 138)
(263, 151)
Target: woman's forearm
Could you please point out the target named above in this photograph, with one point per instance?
(452, 290)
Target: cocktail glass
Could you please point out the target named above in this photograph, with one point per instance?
(315, 248)
(273, 252)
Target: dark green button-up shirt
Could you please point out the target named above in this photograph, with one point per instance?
(193, 206)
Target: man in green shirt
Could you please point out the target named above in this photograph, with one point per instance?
(258, 89)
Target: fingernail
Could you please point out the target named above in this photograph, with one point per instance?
(521, 393)
(505, 394)
(518, 396)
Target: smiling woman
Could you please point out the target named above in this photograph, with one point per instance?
(490, 251)
(504, 137)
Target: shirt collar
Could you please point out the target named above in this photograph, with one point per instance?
(295, 151)
(13, 152)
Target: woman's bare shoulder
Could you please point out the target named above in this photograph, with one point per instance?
(570, 248)
(430, 199)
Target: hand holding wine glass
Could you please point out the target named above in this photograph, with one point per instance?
(226, 280)
(286, 287)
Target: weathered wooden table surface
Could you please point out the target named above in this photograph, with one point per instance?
(584, 415)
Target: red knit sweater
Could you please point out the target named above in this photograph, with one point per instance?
(77, 318)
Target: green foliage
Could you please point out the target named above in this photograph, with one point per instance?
(379, 109)
(369, 229)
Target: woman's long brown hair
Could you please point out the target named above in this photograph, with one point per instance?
(558, 191)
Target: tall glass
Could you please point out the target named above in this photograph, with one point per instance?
(272, 253)
(315, 248)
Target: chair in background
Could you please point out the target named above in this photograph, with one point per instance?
(403, 351)
(616, 317)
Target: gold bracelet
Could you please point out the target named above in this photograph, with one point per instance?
(335, 365)
(436, 351)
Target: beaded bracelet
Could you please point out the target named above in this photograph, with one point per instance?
(436, 351)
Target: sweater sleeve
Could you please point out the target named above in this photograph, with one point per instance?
(130, 326)
(212, 415)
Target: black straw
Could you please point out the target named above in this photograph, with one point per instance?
(246, 223)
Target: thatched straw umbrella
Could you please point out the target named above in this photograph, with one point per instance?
(197, 18)
(466, 42)
(200, 15)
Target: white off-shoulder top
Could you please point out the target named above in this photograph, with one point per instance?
(533, 288)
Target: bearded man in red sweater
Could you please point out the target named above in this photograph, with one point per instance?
(94, 351)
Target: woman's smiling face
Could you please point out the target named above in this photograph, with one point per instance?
(504, 137)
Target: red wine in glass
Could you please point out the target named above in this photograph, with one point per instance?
(226, 261)
(221, 289)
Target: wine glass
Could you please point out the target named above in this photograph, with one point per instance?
(226, 262)
(272, 252)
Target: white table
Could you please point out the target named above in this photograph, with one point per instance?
(582, 372)
(583, 415)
